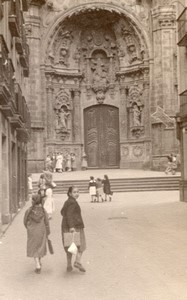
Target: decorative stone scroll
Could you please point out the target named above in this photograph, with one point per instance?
(62, 108)
(159, 116)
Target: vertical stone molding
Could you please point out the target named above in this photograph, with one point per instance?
(50, 114)
(77, 116)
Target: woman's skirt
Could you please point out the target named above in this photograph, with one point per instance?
(92, 191)
(82, 246)
(100, 191)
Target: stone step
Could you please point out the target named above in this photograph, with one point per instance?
(122, 184)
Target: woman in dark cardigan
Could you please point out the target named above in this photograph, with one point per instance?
(106, 188)
(71, 222)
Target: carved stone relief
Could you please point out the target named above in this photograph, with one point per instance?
(60, 49)
(63, 108)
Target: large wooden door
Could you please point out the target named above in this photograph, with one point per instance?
(102, 136)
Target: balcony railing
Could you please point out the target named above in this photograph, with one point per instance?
(183, 103)
(182, 28)
(1, 10)
(14, 18)
(21, 107)
(4, 72)
(25, 5)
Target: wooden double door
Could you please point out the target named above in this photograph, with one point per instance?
(101, 123)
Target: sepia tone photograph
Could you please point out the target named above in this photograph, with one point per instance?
(93, 150)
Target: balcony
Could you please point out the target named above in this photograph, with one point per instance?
(24, 58)
(4, 73)
(182, 28)
(14, 19)
(22, 118)
(1, 10)
(25, 5)
(183, 104)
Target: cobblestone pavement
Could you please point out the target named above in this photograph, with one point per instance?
(136, 250)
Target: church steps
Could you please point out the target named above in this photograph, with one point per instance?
(122, 184)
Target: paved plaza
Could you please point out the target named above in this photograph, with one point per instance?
(136, 250)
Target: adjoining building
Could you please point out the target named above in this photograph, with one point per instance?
(103, 81)
(182, 116)
(14, 113)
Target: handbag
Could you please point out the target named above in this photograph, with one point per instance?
(73, 248)
(50, 246)
(70, 238)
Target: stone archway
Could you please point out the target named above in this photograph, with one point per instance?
(95, 57)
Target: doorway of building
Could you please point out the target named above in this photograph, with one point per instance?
(101, 123)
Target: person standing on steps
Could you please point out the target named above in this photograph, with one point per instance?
(72, 222)
(37, 225)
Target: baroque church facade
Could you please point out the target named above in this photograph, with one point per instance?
(102, 81)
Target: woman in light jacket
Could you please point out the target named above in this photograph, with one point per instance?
(37, 225)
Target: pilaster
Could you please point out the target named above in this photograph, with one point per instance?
(164, 45)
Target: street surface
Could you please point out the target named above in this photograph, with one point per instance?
(136, 250)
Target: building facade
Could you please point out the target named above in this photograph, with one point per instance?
(182, 115)
(103, 81)
(14, 113)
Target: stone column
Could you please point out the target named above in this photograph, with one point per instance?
(77, 118)
(34, 87)
(164, 45)
(123, 116)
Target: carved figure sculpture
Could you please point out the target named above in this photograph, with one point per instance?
(136, 115)
(63, 117)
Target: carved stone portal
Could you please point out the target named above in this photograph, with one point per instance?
(62, 108)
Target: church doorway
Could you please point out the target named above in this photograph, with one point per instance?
(101, 126)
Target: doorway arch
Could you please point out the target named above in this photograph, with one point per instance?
(101, 132)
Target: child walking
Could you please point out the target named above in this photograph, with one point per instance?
(92, 189)
(72, 222)
(37, 225)
(99, 186)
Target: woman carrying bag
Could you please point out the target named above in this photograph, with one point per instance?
(72, 222)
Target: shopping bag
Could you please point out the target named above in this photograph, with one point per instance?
(73, 248)
(70, 237)
(50, 246)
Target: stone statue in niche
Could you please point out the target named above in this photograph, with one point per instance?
(62, 110)
(135, 109)
(136, 115)
(63, 115)
(99, 72)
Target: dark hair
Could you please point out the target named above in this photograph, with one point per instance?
(70, 190)
(37, 199)
(91, 177)
(106, 177)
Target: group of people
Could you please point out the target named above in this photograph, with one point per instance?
(57, 162)
(36, 221)
(173, 162)
(100, 189)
